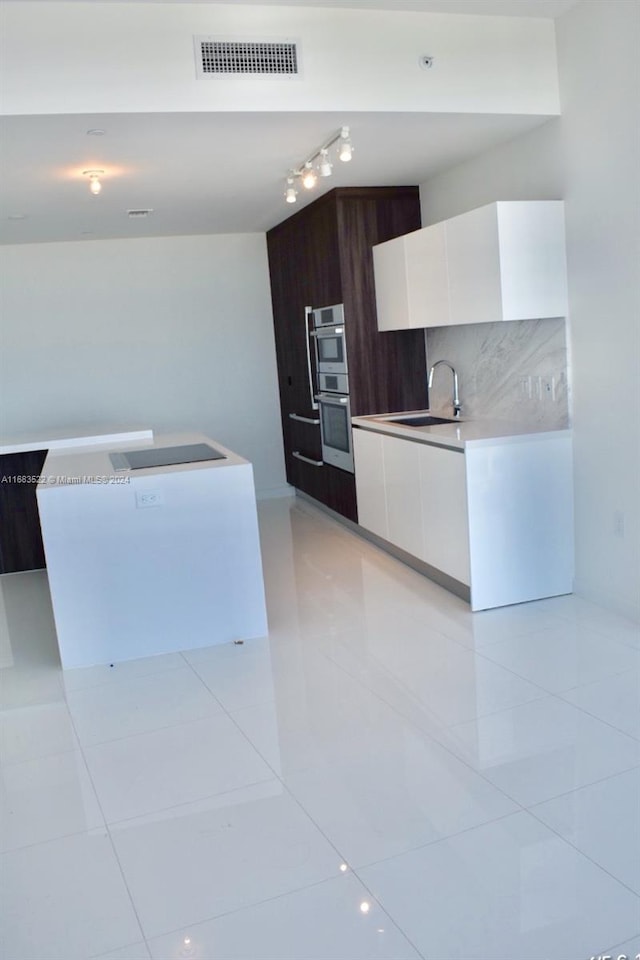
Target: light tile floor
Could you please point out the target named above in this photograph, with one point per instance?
(386, 776)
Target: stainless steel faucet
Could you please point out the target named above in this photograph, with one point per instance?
(457, 408)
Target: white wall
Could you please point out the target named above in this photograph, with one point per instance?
(139, 57)
(173, 333)
(590, 157)
(598, 45)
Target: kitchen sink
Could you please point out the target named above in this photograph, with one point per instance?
(425, 421)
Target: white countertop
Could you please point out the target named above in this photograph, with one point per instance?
(92, 464)
(459, 434)
(65, 439)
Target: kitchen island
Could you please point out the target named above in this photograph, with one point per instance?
(484, 508)
(21, 460)
(150, 560)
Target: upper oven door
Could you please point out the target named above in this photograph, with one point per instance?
(328, 316)
(331, 351)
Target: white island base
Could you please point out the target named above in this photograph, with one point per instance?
(150, 561)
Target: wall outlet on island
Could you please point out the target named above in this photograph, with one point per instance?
(148, 498)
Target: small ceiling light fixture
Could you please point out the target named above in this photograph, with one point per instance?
(94, 180)
(308, 171)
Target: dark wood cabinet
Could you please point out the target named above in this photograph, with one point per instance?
(20, 537)
(320, 256)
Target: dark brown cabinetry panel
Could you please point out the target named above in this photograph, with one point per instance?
(20, 537)
(320, 256)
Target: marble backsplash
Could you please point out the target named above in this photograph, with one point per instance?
(515, 370)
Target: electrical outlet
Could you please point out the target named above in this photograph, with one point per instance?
(148, 498)
(547, 388)
(536, 388)
(618, 524)
(524, 388)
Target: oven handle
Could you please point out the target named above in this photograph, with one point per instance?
(331, 398)
(327, 332)
(307, 313)
(296, 416)
(314, 463)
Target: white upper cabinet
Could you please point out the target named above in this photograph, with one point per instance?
(505, 261)
(411, 280)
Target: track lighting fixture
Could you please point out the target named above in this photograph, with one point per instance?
(319, 164)
(94, 180)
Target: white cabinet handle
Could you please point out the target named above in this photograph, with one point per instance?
(314, 463)
(296, 416)
(307, 313)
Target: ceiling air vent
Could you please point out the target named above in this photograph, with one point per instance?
(139, 214)
(243, 57)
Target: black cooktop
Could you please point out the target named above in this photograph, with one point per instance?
(164, 456)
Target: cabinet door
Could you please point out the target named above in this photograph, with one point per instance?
(473, 260)
(369, 467)
(412, 287)
(427, 277)
(392, 303)
(402, 485)
(532, 259)
(20, 537)
(444, 511)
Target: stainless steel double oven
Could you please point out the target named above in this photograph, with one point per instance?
(332, 397)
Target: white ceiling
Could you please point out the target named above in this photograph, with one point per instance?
(224, 172)
(213, 172)
(492, 8)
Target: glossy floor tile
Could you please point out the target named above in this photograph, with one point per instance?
(616, 700)
(563, 657)
(338, 918)
(603, 822)
(171, 766)
(203, 860)
(351, 786)
(508, 889)
(543, 749)
(137, 705)
(65, 898)
(46, 798)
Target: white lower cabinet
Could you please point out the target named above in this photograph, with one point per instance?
(445, 526)
(497, 517)
(370, 486)
(403, 494)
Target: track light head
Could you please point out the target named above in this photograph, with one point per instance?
(345, 150)
(309, 176)
(290, 194)
(325, 165)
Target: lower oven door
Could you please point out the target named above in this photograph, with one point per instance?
(335, 430)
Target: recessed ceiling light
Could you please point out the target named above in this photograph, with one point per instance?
(96, 132)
